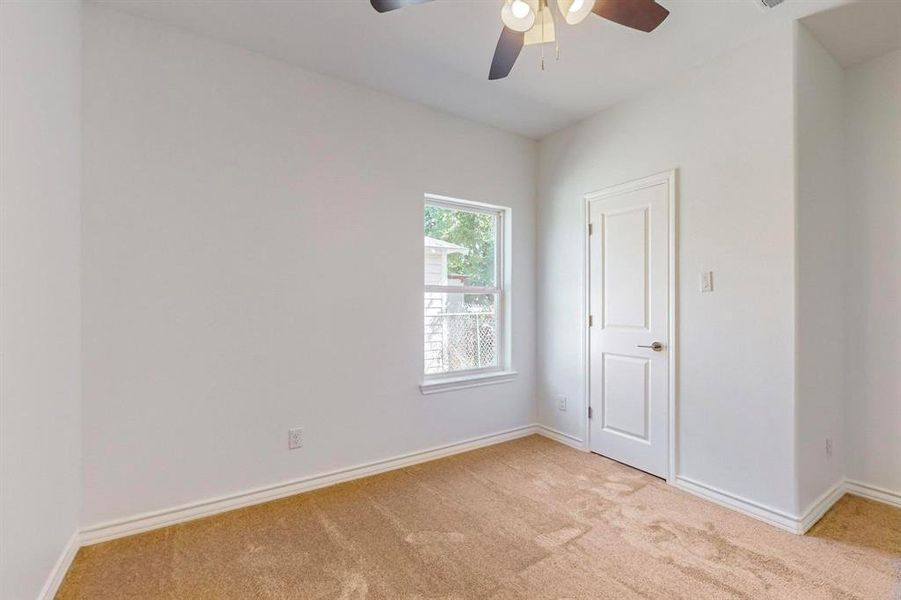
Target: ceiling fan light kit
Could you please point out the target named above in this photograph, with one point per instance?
(531, 22)
(575, 11)
(519, 15)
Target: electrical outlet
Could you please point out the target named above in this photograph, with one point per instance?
(561, 403)
(295, 438)
(828, 447)
(706, 282)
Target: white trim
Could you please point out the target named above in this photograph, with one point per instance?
(794, 524)
(564, 438)
(462, 382)
(586, 333)
(670, 178)
(460, 203)
(195, 510)
(819, 507)
(872, 492)
(673, 325)
(58, 573)
(750, 508)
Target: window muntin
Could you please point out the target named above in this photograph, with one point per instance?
(463, 300)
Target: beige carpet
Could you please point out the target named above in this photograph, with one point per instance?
(526, 519)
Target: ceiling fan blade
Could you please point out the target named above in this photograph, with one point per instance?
(644, 15)
(508, 48)
(386, 5)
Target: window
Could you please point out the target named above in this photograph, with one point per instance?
(464, 299)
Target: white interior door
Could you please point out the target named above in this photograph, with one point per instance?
(629, 346)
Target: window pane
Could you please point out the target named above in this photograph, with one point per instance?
(460, 247)
(460, 332)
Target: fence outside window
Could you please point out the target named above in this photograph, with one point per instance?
(460, 341)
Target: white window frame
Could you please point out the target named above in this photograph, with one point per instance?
(442, 382)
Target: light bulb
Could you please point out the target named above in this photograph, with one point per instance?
(520, 9)
(576, 6)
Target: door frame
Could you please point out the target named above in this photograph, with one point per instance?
(670, 178)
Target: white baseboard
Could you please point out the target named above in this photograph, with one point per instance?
(873, 492)
(559, 436)
(799, 524)
(819, 507)
(763, 513)
(187, 512)
(195, 510)
(60, 568)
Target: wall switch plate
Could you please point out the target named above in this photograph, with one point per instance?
(828, 447)
(295, 438)
(561, 403)
(706, 282)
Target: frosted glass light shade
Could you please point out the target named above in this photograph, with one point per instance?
(519, 15)
(575, 11)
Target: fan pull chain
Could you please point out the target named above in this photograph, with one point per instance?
(542, 6)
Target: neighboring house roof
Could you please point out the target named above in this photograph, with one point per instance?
(446, 246)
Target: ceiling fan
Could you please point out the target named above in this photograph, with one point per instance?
(531, 22)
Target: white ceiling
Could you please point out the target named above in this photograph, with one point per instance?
(438, 53)
(857, 32)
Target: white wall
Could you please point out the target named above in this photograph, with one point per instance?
(728, 128)
(40, 346)
(821, 251)
(227, 199)
(873, 138)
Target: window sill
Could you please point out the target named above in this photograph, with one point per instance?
(448, 384)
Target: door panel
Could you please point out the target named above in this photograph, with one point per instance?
(624, 236)
(625, 399)
(629, 291)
